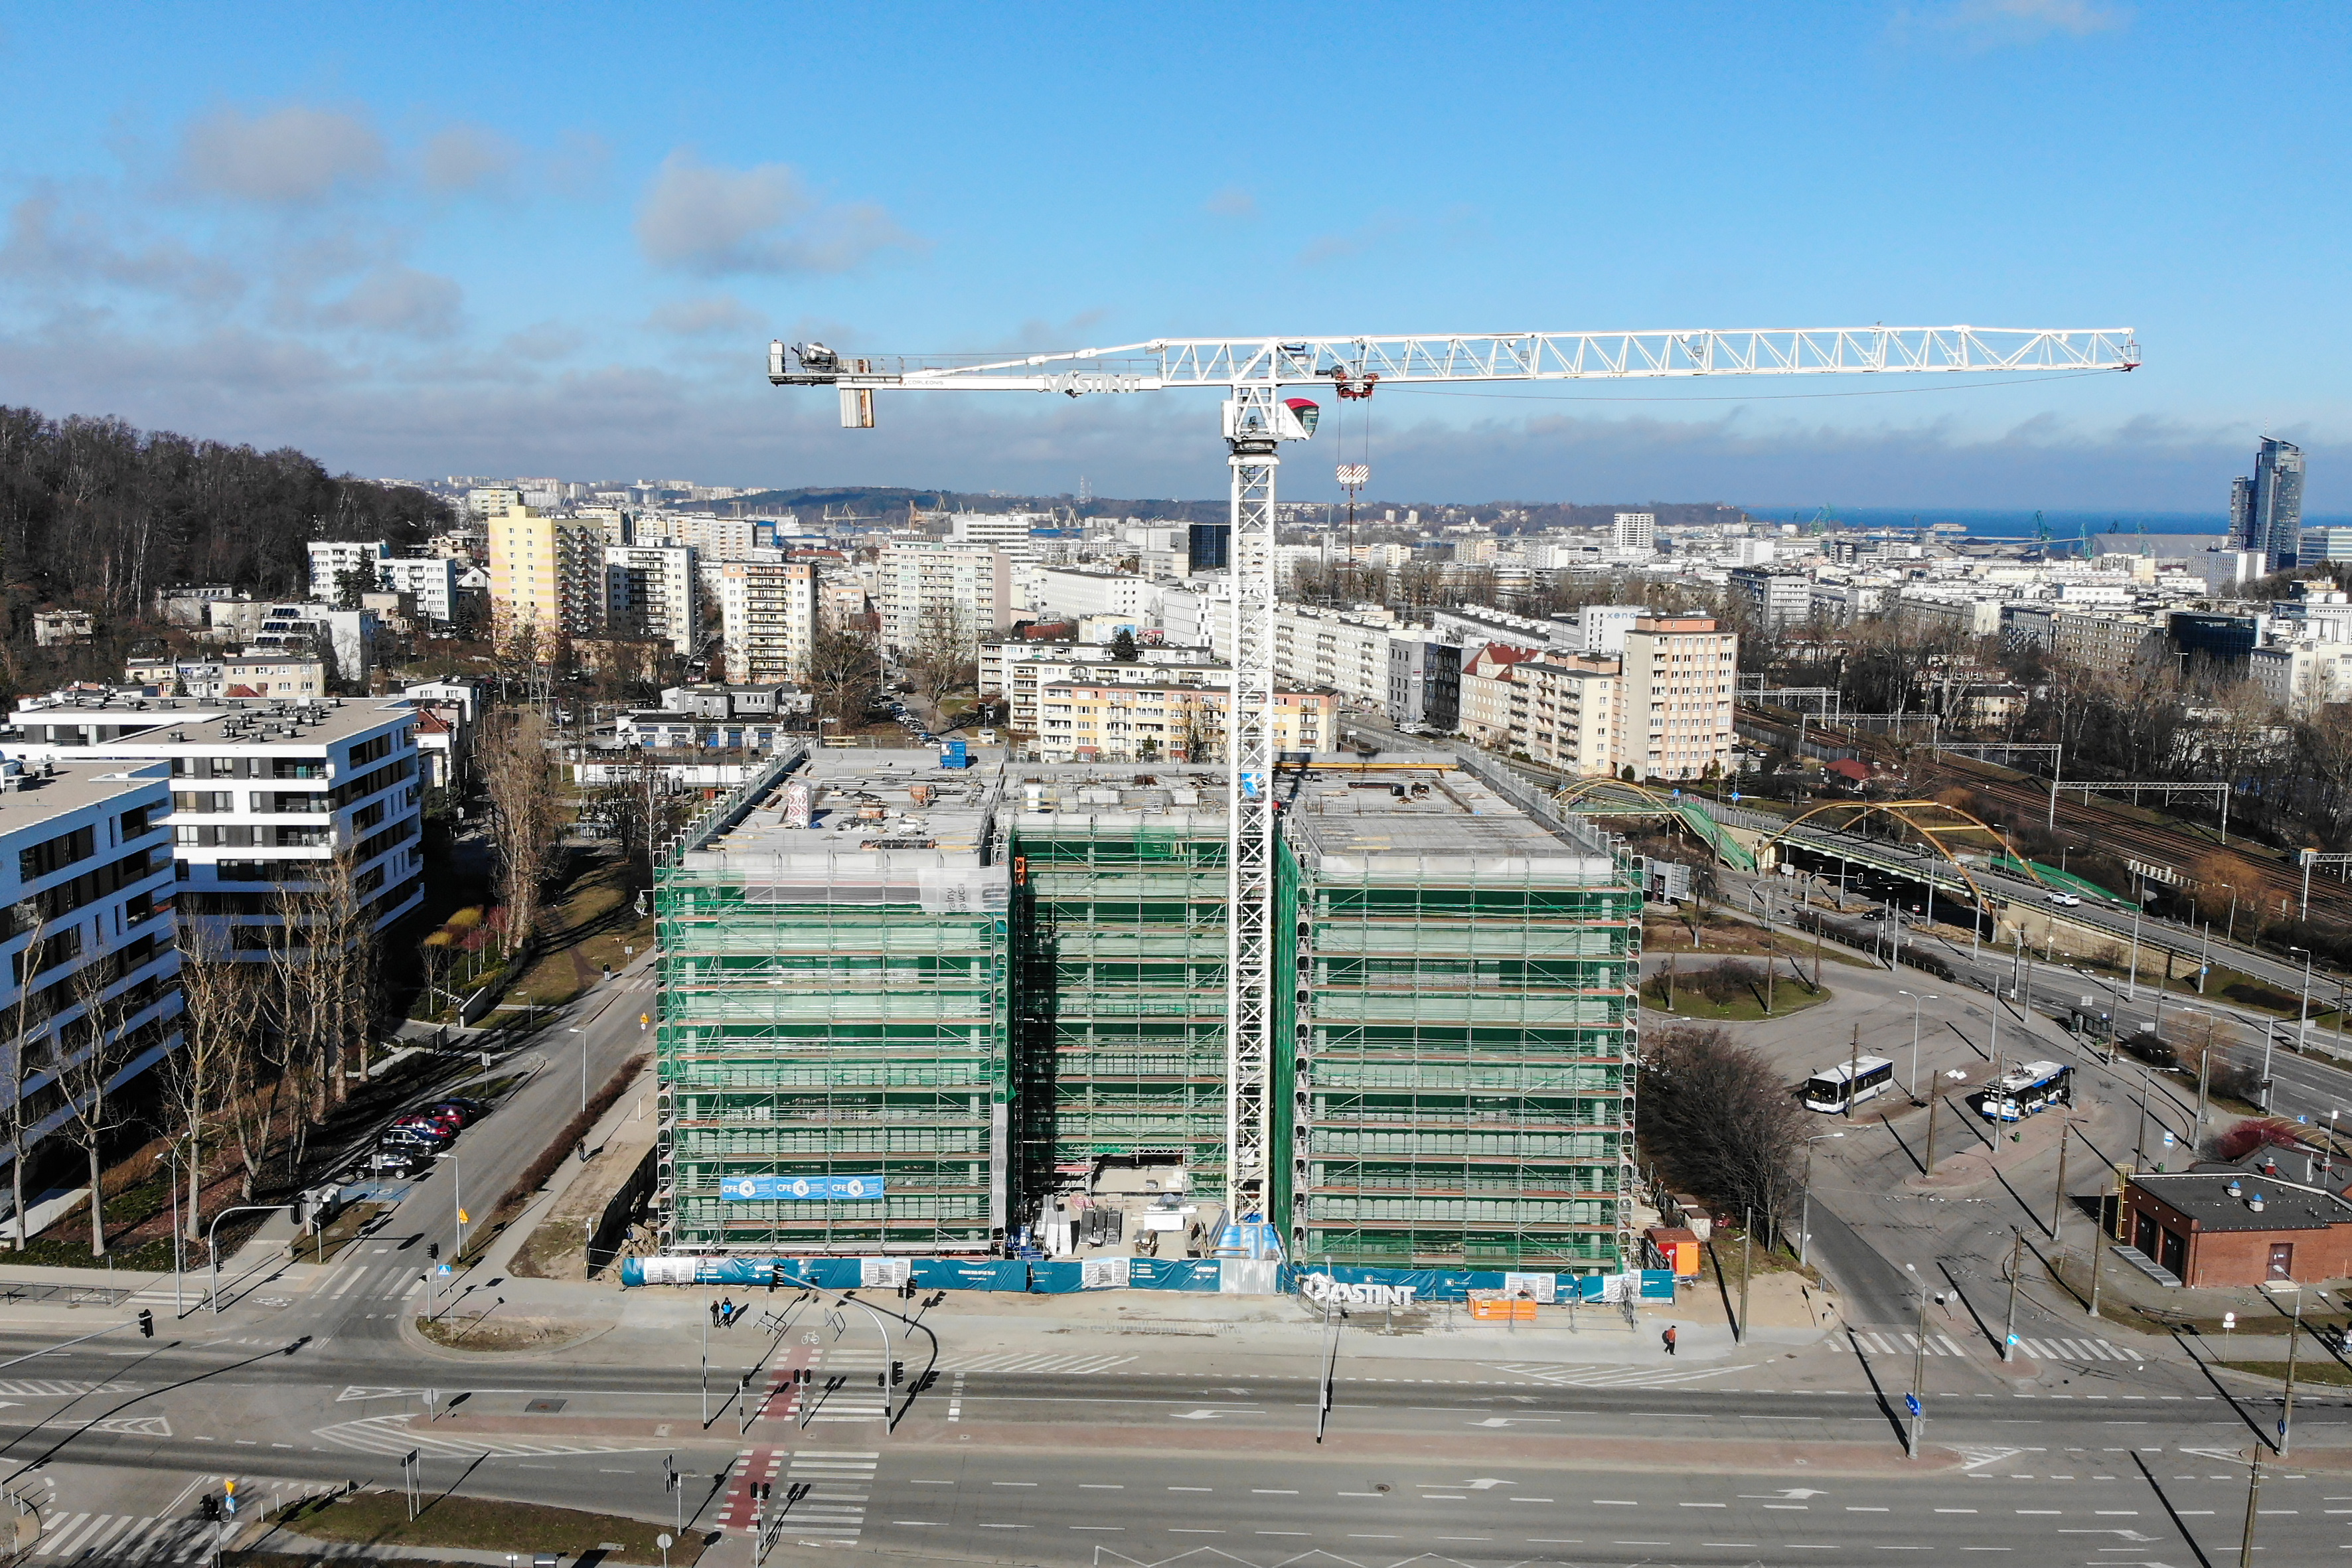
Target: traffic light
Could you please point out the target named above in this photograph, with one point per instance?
(146, 1325)
(432, 1251)
(897, 1373)
(775, 1275)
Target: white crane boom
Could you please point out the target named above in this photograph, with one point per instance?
(1251, 373)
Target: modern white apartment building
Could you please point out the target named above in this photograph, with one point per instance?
(927, 585)
(332, 559)
(1773, 600)
(1674, 716)
(261, 793)
(769, 618)
(650, 591)
(1600, 629)
(84, 917)
(312, 631)
(1008, 530)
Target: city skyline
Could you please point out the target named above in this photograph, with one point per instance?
(324, 236)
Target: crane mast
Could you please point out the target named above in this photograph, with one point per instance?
(1251, 373)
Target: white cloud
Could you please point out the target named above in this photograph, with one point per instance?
(713, 222)
(399, 300)
(292, 156)
(459, 158)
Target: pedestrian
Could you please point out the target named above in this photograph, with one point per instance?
(714, 1314)
(1667, 1339)
(726, 1312)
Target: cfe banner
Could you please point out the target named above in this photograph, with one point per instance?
(810, 1189)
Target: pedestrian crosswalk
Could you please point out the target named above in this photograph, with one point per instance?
(1890, 1341)
(122, 1538)
(863, 1393)
(399, 1434)
(2075, 1350)
(368, 1282)
(1558, 1374)
(826, 1496)
(1021, 1360)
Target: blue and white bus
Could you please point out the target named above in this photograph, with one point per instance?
(1847, 1084)
(2029, 1088)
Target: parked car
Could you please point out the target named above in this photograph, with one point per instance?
(469, 1110)
(446, 1122)
(395, 1161)
(413, 1137)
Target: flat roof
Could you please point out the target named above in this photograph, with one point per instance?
(2206, 1198)
(881, 809)
(71, 787)
(161, 723)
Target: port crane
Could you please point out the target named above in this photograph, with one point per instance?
(1261, 380)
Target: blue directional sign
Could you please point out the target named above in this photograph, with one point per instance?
(807, 1189)
(1911, 1402)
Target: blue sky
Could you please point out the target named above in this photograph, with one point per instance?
(529, 239)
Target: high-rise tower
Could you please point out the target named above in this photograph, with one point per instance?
(2266, 510)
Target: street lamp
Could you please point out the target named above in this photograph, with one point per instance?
(1805, 1219)
(457, 1195)
(1911, 1084)
(576, 1029)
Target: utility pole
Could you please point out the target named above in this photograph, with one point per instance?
(2058, 1200)
(2286, 1411)
(2253, 1497)
(1747, 1270)
(1935, 1103)
(2008, 1331)
(1919, 1375)
(2098, 1238)
(2131, 982)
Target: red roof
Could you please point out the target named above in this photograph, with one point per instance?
(1848, 768)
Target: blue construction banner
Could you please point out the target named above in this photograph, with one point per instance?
(1173, 1273)
(975, 1274)
(804, 1189)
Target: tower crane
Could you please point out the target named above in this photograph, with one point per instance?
(1252, 375)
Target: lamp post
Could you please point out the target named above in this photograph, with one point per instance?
(1805, 1218)
(1911, 1084)
(576, 1029)
(457, 1195)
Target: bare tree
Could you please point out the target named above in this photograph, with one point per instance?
(20, 1071)
(86, 1054)
(1719, 1120)
(945, 655)
(520, 780)
(218, 1007)
(845, 674)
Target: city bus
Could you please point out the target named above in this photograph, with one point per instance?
(2025, 1090)
(1867, 1075)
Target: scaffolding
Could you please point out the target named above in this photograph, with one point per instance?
(1463, 1093)
(991, 993)
(1119, 960)
(834, 1006)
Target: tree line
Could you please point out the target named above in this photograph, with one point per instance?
(98, 514)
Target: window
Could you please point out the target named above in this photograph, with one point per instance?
(38, 860)
(53, 949)
(203, 800)
(135, 824)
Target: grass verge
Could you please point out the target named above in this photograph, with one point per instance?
(482, 1332)
(482, 1525)
(1744, 1007)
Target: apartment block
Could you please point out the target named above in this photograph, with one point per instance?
(334, 560)
(261, 793)
(2302, 678)
(1673, 715)
(650, 591)
(769, 617)
(1561, 711)
(547, 572)
(914, 1011)
(92, 953)
(284, 678)
(1086, 721)
(431, 581)
(928, 586)
(1017, 671)
(1774, 601)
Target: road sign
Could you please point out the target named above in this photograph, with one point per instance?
(1911, 1402)
(443, 1269)
(2012, 1339)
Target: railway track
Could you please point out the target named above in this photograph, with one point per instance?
(2177, 849)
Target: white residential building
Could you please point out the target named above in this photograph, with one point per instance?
(314, 631)
(287, 677)
(650, 591)
(1007, 531)
(432, 580)
(2303, 678)
(1634, 533)
(768, 613)
(930, 586)
(260, 793)
(1600, 629)
(1077, 591)
(84, 917)
(1019, 671)
(332, 559)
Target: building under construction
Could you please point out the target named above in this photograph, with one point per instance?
(924, 1011)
